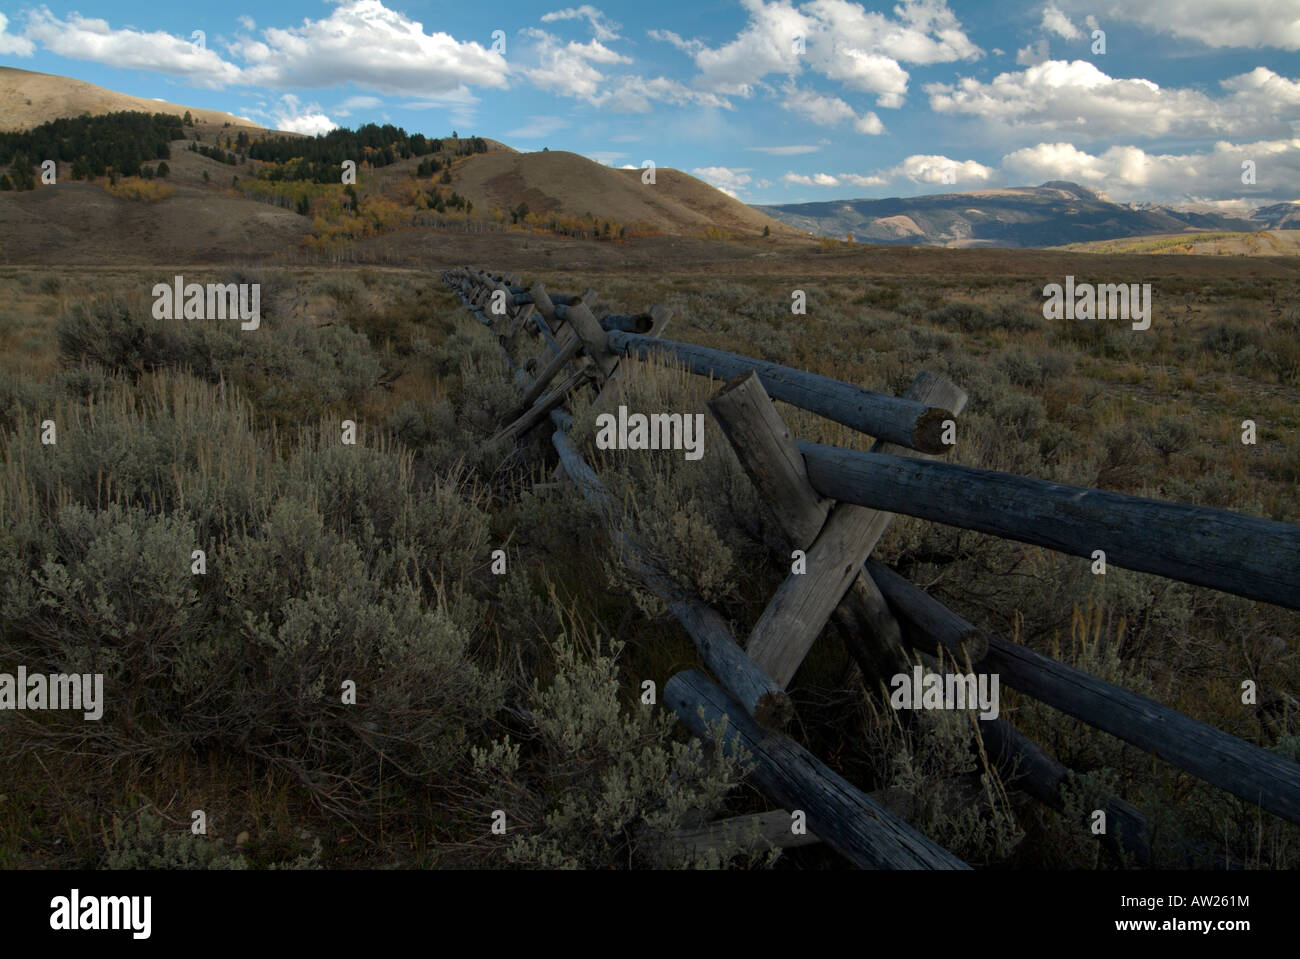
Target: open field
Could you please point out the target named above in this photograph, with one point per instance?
(177, 432)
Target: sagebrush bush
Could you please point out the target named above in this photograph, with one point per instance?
(603, 784)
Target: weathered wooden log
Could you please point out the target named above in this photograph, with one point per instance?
(593, 337)
(1253, 774)
(1024, 764)
(517, 325)
(906, 422)
(549, 372)
(613, 386)
(844, 817)
(928, 625)
(806, 600)
(768, 454)
(539, 410)
(627, 322)
(1252, 557)
(764, 699)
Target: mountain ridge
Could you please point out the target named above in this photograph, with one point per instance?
(1055, 213)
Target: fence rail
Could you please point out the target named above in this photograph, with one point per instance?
(835, 504)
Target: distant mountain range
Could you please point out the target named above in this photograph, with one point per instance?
(1054, 214)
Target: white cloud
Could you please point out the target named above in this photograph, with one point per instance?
(838, 39)
(1078, 97)
(568, 69)
(247, 22)
(602, 28)
(817, 179)
(667, 36)
(85, 38)
(765, 45)
(729, 181)
(365, 43)
(859, 180)
(829, 111)
(918, 168)
(292, 115)
(12, 45)
(1054, 21)
(921, 168)
(1033, 55)
(1215, 23)
(1127, 172)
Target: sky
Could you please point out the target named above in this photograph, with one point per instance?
(1171, 101)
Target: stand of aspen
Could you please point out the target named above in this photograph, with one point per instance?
(835, 504)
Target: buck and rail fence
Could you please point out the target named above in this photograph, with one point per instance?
(834, 504)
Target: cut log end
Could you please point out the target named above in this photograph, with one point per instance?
(928, 436)
(774, 710)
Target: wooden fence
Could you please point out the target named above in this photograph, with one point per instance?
(835, 504)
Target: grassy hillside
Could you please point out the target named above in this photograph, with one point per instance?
(1262, 243)
(28, 99)
(559, 183)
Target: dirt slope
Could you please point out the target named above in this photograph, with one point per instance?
(560, 182)
(29, 99)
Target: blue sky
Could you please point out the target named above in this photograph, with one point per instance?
(772, 100)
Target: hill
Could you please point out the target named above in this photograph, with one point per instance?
(566, 184)
(1056, 213)
(1260, 243)
(29, 99)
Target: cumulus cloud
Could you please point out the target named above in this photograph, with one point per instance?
(86, 38)
(924, 168)
(573, 70)
(918, 168)
(829, 111)
(1033, 54)
(1215, 23)
(729, 181)
(840, 40)
(1078, 97)
(12, 45)
(816, 179)
(1127, 172)
(290, 114)
(364, 42)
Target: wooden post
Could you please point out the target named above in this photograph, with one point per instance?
(905, 422)
(804, 603)
(768, 454)
(587, 327)
(842, 816)
(765, 700)
(1252, 557)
